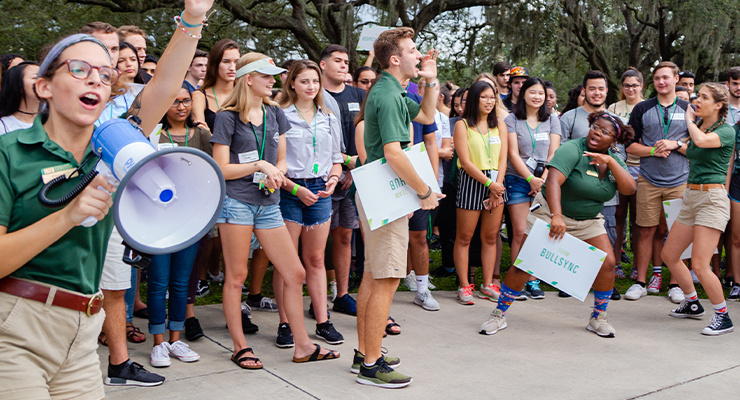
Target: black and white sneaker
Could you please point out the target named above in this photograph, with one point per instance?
(131, 374)
(327, 332)
(734, 293)
(203, 288)
(721, 324)
(688, 309)
(284, 336)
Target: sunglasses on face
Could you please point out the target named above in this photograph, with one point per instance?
(82, 69)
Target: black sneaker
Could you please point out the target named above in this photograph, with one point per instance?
(562, 294)
(203, 288)
(728, 282)
(193, 331)
(615, 294)
(247, 325)
(721, 324)
(688, 309)
(532, 288)
(312, 314)
(327, 332)
(734, 293)
(433, 242)
(131, 374)
(625, 258)
(345, 305)
(284, 337)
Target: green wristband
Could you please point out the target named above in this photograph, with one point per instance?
(489, 183)
(349, 158)
(652, 151)
(529, 178)
(295, 189)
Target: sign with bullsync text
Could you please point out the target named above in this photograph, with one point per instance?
(386, 197)
(570, 265)
(368, 35)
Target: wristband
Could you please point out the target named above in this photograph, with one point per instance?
(187, 25)
(652, 151)
(429, 193)
(349, 158)
(489, 183)
(295, 189)
(529, 178)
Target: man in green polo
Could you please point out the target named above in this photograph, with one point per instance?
(388, 116)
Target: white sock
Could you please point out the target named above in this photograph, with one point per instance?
(422, 283)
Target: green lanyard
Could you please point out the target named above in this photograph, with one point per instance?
(264, 131)
(315, 164)
(488, 148)
(187, 133)
(662, 117)
(533, 138)
(214, 96)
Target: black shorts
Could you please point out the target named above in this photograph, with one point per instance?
(420, 220)
(734, 189)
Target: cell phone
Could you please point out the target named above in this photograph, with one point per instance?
(487, 204)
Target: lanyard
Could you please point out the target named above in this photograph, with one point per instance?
(533, 138)
(488, 148)
(315, 114)
(732, 114)
(214, 97)
(187, 133)
(662, 117)
(264, 131)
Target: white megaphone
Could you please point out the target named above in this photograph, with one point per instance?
(166, 200)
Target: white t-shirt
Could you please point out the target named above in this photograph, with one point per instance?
(120, 104)
(443, 132)
(10, 123)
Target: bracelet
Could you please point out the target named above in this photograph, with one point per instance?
(332, 176)
(429, 193)
(652, 151)
(182, 27)
(295, 189)
(553, 215)
(187, 25)
(349, 159)
(529, 178)
(489, 183)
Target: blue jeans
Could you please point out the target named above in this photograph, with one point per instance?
(293, 209)
(173, 271)
(130, 296)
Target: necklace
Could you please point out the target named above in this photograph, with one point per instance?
(27, 113)
(187, 133)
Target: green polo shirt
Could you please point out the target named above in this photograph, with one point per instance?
(73, 262)
(710, 165)
(583, 194)
(388, 116)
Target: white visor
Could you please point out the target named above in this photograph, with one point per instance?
(264, 66)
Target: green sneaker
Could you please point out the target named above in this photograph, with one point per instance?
(359, 358)
(382, 375)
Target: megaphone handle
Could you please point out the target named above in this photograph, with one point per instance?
(140, 260)
(103, 169)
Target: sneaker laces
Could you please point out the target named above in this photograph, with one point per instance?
(160, 350)
(468, 290)
(180, 347)
(536, 285)
(266, 302)
(735, 291)
(716, 321)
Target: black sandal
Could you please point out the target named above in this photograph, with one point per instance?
(238, 359)
(389, 327)
(317, 356)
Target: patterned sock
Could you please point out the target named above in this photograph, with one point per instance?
(657, 270)
(601, 300)
(720, 308)
(506, 298)
(691, 296)
(422, 283)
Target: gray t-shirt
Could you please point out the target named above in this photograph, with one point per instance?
(245, 143)
(733, 116)
(574, 124)
(525, 137)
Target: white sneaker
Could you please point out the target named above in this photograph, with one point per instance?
(694, 277)
(601, 326)
(160, 356)
(430, 284)
(410, 281)
(676, 295)
(182, 352)
(496, 322)
(635, 292)
(217, 278)
(426, 301)
(333, 290)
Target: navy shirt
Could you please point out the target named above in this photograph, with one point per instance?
(420, 129)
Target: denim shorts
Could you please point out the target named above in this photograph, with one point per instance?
(261, 217)
(295, 211)
(518, 190)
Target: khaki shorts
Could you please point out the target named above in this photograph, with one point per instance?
(583, 229)
(385, 247)
(48, 351)
(650, 200)
(710, 208)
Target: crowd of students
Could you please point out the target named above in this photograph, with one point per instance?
(500, 149)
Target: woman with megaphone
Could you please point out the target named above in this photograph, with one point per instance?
(250, 147)
(51, 266)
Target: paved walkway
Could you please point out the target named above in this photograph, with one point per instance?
(545, 352)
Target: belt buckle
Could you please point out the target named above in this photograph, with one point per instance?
(97, 296)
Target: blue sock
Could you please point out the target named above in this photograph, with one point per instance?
(601, 300)
(506, 298)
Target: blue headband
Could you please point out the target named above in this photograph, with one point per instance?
(63, 44)
(616, 125)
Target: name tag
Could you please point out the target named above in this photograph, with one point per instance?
(494, 140)
(542, 136)
(293, 133)
(678, 117)
(592, 173)
(494, 175)
(248, 157)
(531, 163)
(353, 106)
(259, 177)
(162, 146)
(47, 174)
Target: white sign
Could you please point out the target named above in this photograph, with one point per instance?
(368, 35)
(671, 209)
(570, 265)
(385, 197)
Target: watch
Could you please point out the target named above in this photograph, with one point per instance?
(431, 85)
(679, 143)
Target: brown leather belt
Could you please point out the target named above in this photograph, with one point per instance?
(33, 291)
(705, 187)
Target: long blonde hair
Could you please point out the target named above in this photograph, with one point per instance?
(289, 96)
(240, 99)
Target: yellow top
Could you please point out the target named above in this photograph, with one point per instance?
(484, 149)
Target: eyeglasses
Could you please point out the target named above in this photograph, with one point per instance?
(601, 131)
(364, 81)
(487, 99)
(632, 86)
(184, 102)
(82, 69)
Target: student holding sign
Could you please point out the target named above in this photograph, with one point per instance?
(582, 175)
(706, 207)
(481, 191)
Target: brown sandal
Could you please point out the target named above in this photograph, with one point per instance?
(102, 339)
(317, 356)
(134, 334)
